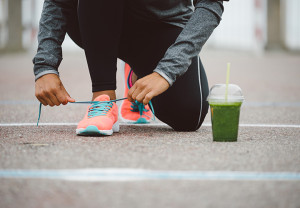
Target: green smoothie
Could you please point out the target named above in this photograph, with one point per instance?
(225, 121)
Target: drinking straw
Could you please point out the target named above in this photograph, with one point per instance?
(227, 81)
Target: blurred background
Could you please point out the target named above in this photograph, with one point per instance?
(252, 25)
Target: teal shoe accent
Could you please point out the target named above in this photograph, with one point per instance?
(140, 107)
(141, 121)
(99, 109)
(93, 131)
(90, 130)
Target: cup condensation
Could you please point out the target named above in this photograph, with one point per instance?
(225, 111)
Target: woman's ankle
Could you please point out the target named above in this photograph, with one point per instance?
(133, 78)
(110, 93)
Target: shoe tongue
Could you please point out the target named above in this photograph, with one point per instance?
(102, 98)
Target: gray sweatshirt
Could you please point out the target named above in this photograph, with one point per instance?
(198, 19)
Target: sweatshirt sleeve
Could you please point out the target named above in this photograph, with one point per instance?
(52, 31)
(178, 57)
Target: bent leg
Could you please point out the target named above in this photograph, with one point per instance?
(73, 25)
(184, 105)
(143, 44)
(100, 23)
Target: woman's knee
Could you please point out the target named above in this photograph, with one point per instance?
(190, 120)
(187, 125)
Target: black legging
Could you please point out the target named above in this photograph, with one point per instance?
(107, 33)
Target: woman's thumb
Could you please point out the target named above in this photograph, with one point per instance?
(70, 99)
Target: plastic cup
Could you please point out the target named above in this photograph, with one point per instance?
(225, 111)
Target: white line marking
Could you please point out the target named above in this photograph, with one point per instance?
(142, 174)
(151, 124)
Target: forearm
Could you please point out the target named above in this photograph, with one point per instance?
(52, 31)
(189, 43)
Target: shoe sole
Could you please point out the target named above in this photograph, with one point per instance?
(139, 121)
(94, 131)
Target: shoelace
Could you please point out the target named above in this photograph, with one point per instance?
(99, 107)
(139, 107)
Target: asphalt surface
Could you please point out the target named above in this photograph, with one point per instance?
(269, 142)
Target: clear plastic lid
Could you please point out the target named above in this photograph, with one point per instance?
(218, 93)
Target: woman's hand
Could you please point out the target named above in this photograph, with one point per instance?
(147, 87)
(49, 90)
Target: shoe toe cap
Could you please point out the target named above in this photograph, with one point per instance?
(102, 123)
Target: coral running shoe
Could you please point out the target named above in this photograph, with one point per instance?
(133, 112)
(101, 118)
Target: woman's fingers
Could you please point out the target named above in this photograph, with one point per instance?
(138, 91)
(148, 87)
(130, 92)
(135, 93)
(42, 101)
(68, 97)
(71, 100)
(141, 96)
(48, 101)
(148, 97)
(50, 91)
(43, 97)
(54, 99)
(63, 97)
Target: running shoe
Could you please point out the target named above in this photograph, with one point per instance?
(132, 112)
(101, 118)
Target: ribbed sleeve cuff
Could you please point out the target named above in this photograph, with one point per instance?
(46, 72)
(163, 74)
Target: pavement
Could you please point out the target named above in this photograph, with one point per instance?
(152, 165)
